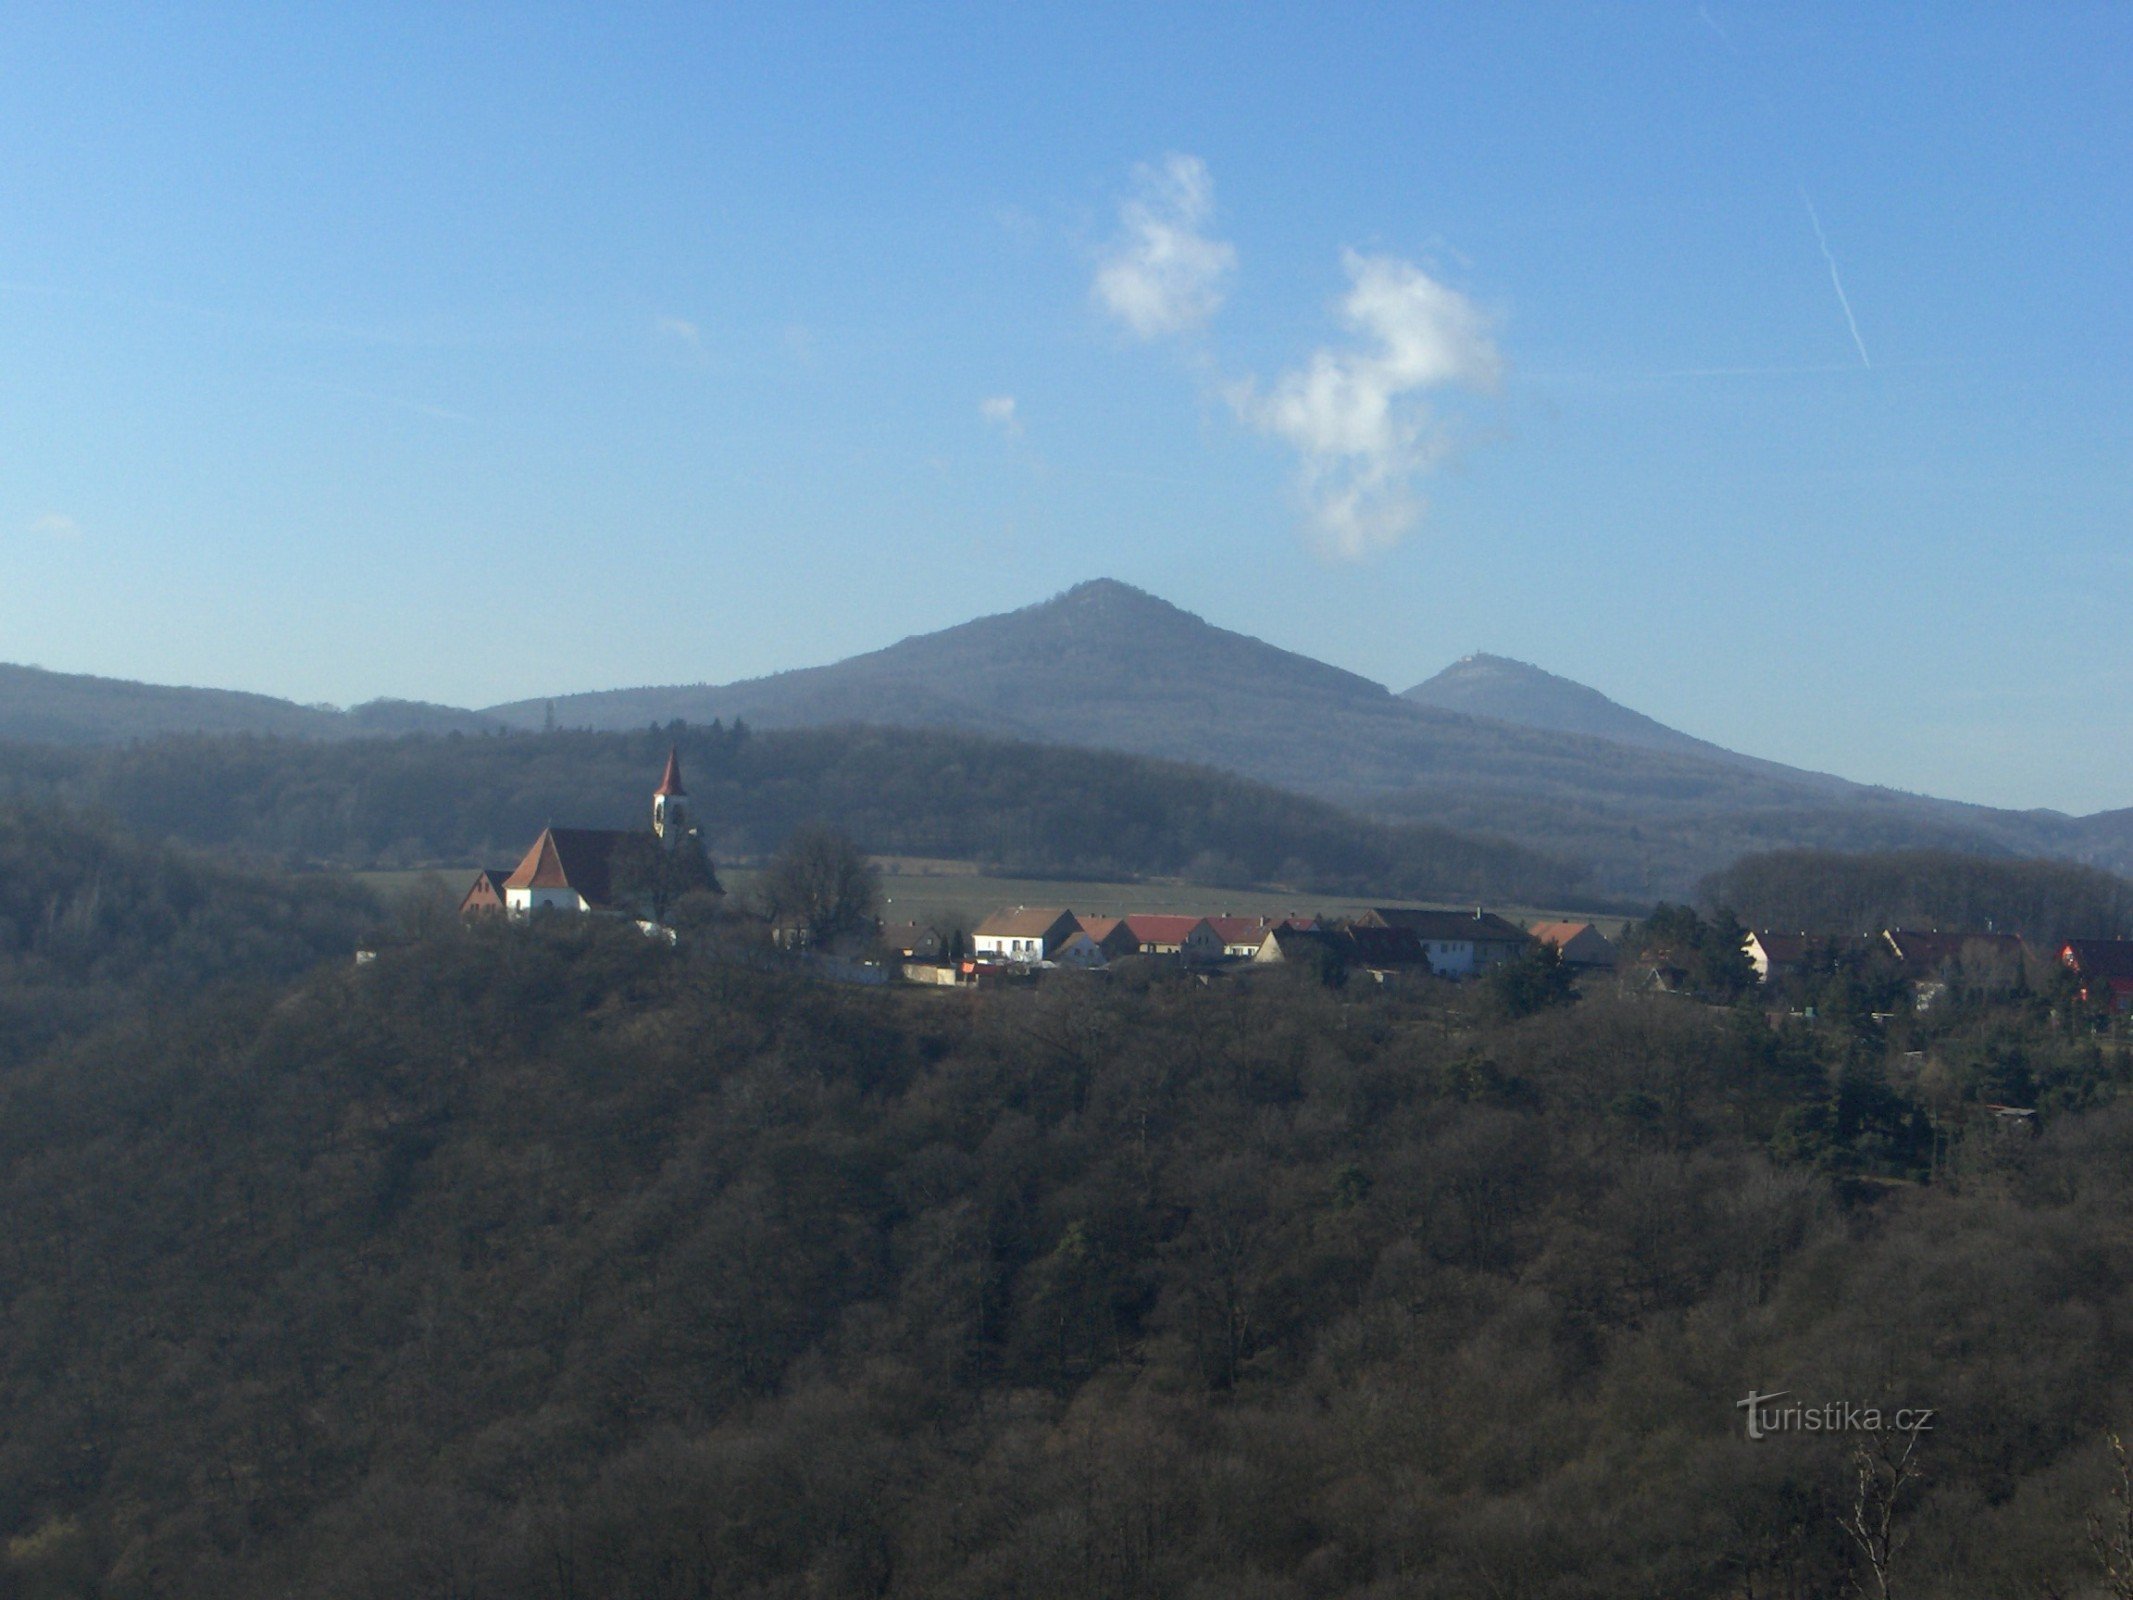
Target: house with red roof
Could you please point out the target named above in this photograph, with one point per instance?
(1190, 938)
(1580, 944)
(486, 893)
(2105, 968)
(1110, 935)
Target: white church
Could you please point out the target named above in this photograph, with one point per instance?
(571, 869)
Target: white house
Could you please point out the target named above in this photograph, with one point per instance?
(1458, 945)
(1080, 951)
(1026, 934)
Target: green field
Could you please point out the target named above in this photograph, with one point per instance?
(957, 894)
(968, 897)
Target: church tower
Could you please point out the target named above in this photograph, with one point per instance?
(670, 804)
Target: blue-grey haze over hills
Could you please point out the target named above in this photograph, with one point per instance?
(1488, 746)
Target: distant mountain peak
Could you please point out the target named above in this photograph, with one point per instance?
(1508, 690)
(1479, 661)
(1110, 597)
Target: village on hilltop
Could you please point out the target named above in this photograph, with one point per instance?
(640, 873)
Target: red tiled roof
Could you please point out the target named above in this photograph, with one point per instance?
(1557, 933)
(570, 858)
(1162, 929)
(670, 784)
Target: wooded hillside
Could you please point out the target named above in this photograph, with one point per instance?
(1817, 891)
(1030, 809)
(551, 1262)
(94, 922)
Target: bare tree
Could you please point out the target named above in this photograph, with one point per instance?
(1883, 1471)
(821, 882)
(649, 877)
(2111, 1537)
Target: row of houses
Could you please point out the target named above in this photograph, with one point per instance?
(574, 869)
(1448, 943)
(2103, 967)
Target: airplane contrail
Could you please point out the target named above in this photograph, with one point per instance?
(1837, 281)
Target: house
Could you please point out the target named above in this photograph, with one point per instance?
(1386, 949)
(1289, 943)
(1775, 956)
(486, 893)
(913, 941)
(1162, 935)
(1202, 945)
(1242, 936)
(1778, 956)
(1580, 944)
(1377, 949)
(2105, 968)
(1080, 951)
(1986, 962)
(1025, 935)
(1110, 935)
(1928, 955)
(1457, 945)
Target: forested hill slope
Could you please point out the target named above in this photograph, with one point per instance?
(1103, 663)
(93, 922)
(1046, 810)
(74, 708)
(1814, 891)
(1555, 767)
(1497, 687)
(548, 1262)
(1107, 665)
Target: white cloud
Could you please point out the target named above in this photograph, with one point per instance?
(680, 329)
(1165, 274)
(1356, 416)
(54, 525)
(999, 411)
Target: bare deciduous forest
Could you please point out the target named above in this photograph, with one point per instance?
(552, 1261)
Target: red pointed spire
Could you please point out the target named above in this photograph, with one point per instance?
(671, 783)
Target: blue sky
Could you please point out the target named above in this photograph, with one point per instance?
(472, 353)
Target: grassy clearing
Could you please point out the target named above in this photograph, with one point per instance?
(957, 893)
